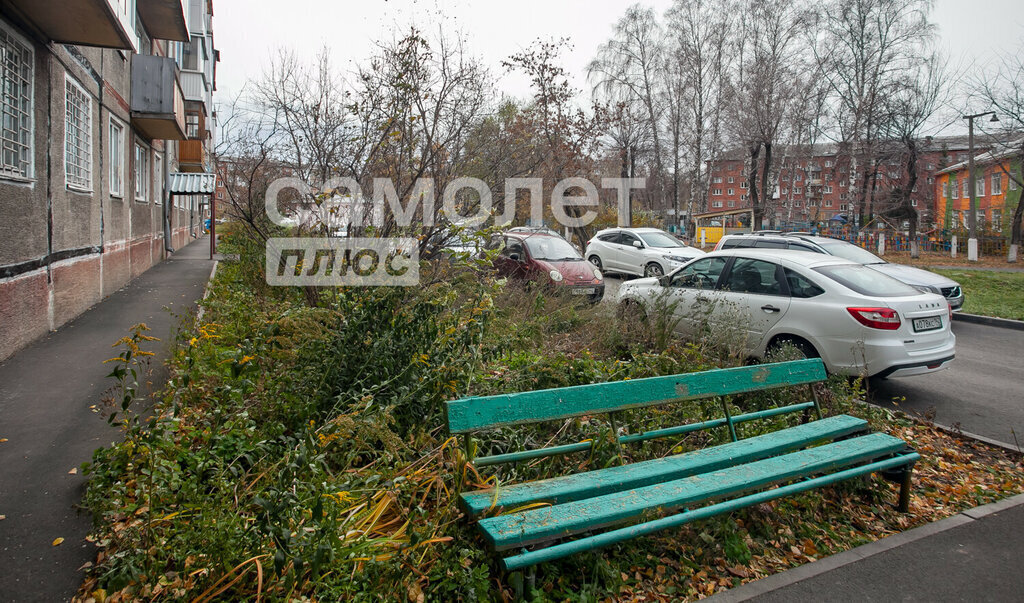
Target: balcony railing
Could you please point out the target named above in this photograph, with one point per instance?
(164, 19)
(191, 156)
(158, 105)
(193, 86)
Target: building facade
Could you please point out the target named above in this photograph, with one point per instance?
(94, 117)
(996, 193)
(815, 184)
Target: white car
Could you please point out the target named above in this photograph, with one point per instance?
(639, 251)
(858, 321)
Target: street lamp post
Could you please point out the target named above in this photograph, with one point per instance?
(972, 216)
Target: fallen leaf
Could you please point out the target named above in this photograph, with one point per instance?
(739, 571)
(73, 471)
(3, 517)
(57, 541)
(2, 440)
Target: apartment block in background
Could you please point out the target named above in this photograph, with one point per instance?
(94, 114)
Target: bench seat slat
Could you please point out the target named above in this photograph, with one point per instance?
(487, 412)
(589, 543)
(613, 479)
(538, 525)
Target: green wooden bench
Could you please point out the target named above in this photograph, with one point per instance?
(579, 512)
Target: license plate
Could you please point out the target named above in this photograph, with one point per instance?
(928, 324)
(589, 291)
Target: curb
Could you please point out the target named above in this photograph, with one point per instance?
(774, 582)
(991, 321)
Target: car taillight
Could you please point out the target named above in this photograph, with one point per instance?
(876, 318)
(950, 306)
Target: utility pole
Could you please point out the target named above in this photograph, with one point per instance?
(972, 216)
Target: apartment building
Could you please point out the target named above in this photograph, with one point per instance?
(813, 183)
(996, 193)
(94, 116)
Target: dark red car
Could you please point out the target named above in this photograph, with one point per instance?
(545, 258)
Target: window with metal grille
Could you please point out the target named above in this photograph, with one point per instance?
(16, 64)
(77, 136)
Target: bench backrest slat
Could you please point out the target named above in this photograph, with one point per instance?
(487, 412)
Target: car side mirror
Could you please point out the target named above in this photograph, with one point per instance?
(638, 244)
(514, 257)
(665, 280)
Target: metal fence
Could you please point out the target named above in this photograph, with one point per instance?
(940, 241)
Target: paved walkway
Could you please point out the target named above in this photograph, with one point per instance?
(46, 390)
(973, 556)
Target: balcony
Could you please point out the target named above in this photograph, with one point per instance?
(164, 19)
(191, 156)
(104, 23)
(158, 105)
(193, 86)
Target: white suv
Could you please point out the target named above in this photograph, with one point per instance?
(639, 251)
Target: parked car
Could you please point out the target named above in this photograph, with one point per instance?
(547, 259)
(857, 320)
(639, 251)
(915, 277)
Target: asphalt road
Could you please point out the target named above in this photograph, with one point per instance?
(982, 392)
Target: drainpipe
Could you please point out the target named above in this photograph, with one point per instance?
(167, 197)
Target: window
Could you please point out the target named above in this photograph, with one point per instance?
(754, 276)
(797, 190)
(717, 180)
(842, 196)
(16, 106)
(997, 219)
(732, 203)
(997, 184)
(931, 180)
(798, 177)
(743, 197)
(77, 136)
(158, 178)
(979, 187)
(141, 172)
(800, 286)
(931, 166)
(785, 191)
(828, 189)
(116, 158)
(828, 202)
(743, 184)
(731, 179)
(842, 184)
(732, 191)
(913, 203)
(828, 177)
(785, 176)
(843, 207)
(967, 190)
(828, 163)
(955, 187)
(716, 204)
(702, 274)
(717, 191)
(192, 126)
(611, 237)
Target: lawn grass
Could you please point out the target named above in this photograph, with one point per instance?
(991, 293)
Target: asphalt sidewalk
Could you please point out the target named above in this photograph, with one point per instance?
(46, 391)
(973, 556)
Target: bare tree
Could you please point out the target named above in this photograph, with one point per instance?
(697, 43)
(863, 48)
(908, 109)
(1003, 90)
(629, 67)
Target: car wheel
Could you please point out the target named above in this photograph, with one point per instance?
(792, 346)
(596, 261)
(632, 309)
(653, 269)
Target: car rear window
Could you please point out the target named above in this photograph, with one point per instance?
(866, 281)
(734, 243)
(771, 244)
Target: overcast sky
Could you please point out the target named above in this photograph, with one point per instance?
(247, 31)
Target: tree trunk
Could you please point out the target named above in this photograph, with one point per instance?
(755, 152)
(765, 180)
(908, 192)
